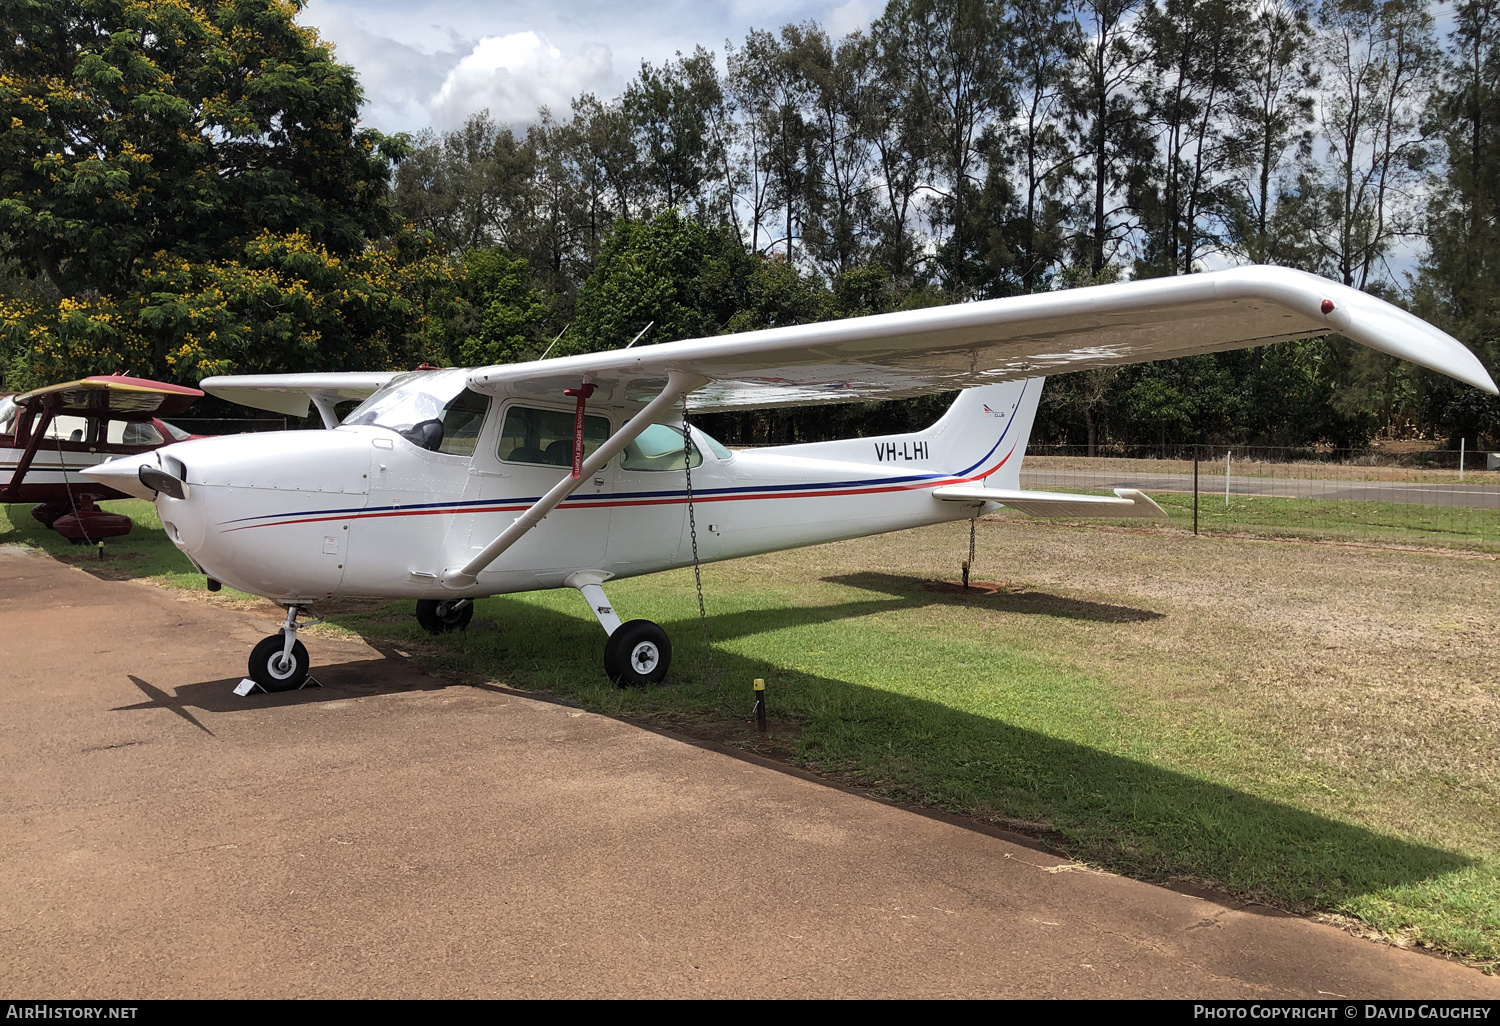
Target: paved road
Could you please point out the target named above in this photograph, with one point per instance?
(1473, 496)
(395, 835)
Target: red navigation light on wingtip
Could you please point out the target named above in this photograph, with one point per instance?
(1327, 306)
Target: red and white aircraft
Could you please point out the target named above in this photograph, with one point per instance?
(49, 435)
(449, 485)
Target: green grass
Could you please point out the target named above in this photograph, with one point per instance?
(143, 553)
(996, 707)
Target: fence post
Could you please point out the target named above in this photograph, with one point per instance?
(1195, 489)
(1228, 455)
(1460, 459)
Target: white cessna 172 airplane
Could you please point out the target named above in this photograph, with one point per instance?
(450, 485)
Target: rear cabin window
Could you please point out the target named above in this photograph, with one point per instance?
(545, 437)
(659, 447)
(68, 428)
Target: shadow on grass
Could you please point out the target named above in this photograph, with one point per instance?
(988, 595)
(1119, 813)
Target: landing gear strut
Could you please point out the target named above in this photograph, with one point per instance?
(441, 617)
(638, 652)
(280, 663)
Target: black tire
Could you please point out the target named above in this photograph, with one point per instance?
(637, 653)
(264, 660)
(441, 617)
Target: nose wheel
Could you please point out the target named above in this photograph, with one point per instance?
(280, 663)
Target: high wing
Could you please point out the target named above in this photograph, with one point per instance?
(111, 395)
(290, 394)
(940, 349)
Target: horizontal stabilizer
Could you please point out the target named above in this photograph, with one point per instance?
(1128, 502)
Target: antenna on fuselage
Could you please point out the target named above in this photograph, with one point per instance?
(554, 342)
(639, 334)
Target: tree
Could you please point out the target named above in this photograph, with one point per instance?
(1459, 282)
(467, 187)
(1270, 130)
(503, 312)
(154, 127)
(1379, 59)
(677, 111)
(1105, 110)
(894, 128)
(683, 278)
(1198, 49)
(1041, 154)
(285, 304)
(186, 187)
(839, 182)
(774, 94)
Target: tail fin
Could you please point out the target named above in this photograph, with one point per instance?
(982, 437)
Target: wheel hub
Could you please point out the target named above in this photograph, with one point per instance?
(644, 657)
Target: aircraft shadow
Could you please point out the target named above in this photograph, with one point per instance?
(922, 591)
(906, 593)
(393, 673)
(1120, 813)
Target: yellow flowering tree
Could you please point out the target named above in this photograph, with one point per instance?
(184, 189)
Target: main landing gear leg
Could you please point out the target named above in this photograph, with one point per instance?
(279, 663)
(638, 652)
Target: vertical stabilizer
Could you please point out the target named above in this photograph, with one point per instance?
(982, 438)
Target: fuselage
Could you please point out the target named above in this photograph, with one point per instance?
(363, 511)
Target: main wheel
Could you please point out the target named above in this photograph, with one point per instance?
(268, 670)
(441, 617)
(637, 653)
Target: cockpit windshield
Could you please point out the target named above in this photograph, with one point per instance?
(431, 409)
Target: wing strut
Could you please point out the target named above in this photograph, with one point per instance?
(679, 384)
(38, 432)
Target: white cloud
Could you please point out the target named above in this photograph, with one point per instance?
(515, 74)
(433, 62)
(856, 14)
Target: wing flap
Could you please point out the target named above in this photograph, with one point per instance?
(1127, 502)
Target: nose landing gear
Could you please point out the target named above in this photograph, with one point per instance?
(280, 663)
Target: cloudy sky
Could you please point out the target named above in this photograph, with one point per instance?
(426, 63)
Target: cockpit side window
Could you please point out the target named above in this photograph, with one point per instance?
(462, 418)
(545, 437)
(8, 413)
